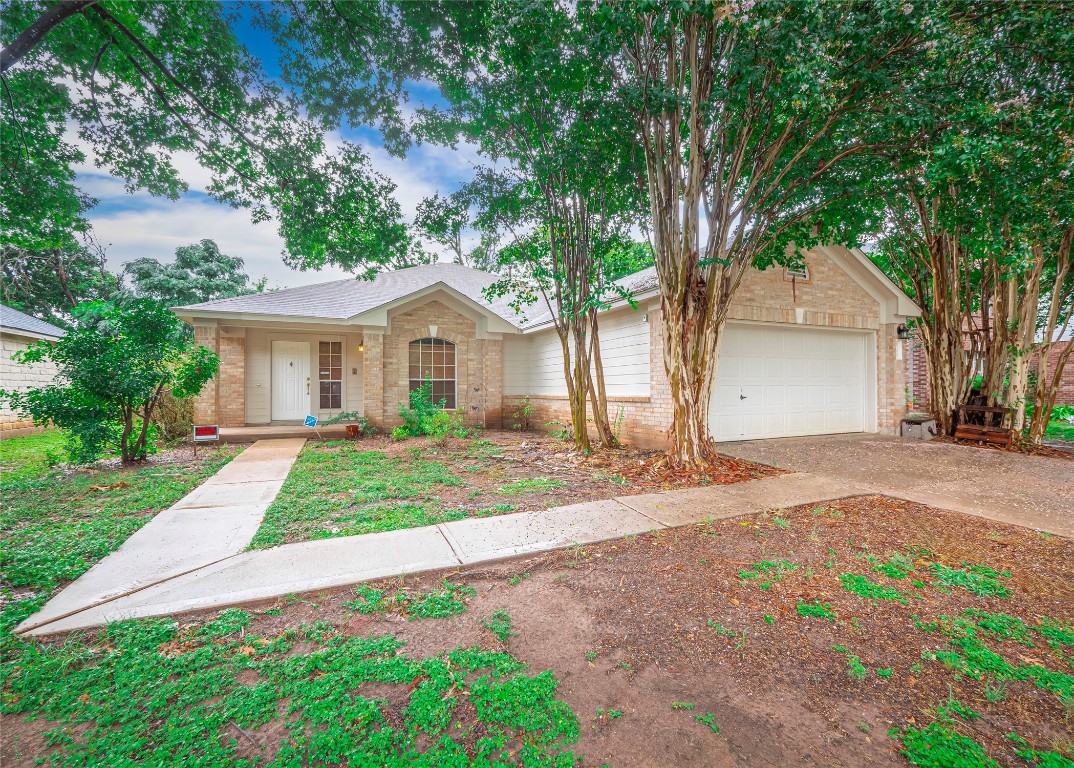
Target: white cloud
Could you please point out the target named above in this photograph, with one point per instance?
(133, 226)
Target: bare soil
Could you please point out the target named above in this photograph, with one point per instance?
(640, 623)
(604, 474)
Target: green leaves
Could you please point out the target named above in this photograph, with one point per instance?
(114, 364)
(153, 692)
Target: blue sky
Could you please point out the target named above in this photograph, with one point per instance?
(131, 226)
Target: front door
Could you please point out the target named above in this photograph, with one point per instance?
(290, 380)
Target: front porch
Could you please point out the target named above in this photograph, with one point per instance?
(271, 431)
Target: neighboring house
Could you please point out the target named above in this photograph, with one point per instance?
(813, 352)
(917, 374)
(17, 332)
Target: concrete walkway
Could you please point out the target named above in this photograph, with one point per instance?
(307, 566)
(213, 522)
(1009, 487)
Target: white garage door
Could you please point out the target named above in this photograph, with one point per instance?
(780, 381)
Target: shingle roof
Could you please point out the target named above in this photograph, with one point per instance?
(13, 320)
(343, 299)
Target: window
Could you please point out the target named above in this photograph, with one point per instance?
(434, 359)
(330, 374)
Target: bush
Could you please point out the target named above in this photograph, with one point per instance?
(174, 417)
(424, 417)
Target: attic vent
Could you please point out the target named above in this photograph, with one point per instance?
(798, 273)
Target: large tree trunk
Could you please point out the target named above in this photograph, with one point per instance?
(691, 345)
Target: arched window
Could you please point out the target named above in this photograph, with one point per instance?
(434, 360)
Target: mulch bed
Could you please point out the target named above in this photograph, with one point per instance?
(641, 623)
(1026, 449)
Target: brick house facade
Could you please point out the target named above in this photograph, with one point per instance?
(282, 352)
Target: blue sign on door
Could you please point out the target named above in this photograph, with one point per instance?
(311, 421)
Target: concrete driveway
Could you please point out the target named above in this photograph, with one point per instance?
(1009, 487)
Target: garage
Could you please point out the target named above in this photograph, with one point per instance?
(786, 381)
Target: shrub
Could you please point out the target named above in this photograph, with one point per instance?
(400, 433)
(174, 417)
(424, 417)
(520, 417)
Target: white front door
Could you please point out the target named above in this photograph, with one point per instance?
(783, 381)
(290, 380)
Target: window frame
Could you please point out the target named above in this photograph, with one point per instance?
(427, 369)
(334, 394)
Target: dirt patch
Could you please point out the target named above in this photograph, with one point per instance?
(181, 455)
(668, 627)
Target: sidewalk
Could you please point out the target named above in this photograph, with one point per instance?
(122, 587)
(213, 522)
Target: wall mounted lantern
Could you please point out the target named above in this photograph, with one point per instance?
(903, 332)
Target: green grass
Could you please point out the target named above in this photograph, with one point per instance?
(817, 609)
(56, 527)
(863, 587)
(1060, 430)
(449, 601)
(978, 579)
(31, 455)
(528, 485)
(155, 692)
(338, 489)
(335, 489)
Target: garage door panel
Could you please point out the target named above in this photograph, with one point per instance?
(794, 381)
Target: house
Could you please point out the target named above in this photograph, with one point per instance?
(17, 332)
(813, 351)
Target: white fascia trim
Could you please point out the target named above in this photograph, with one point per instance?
(8, 332)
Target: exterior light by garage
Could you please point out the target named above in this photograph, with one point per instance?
(903, 332)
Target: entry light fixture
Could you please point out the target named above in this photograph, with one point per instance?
(361, 347)
(903, 332)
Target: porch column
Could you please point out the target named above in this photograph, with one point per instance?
(373, 377)
(231, 407)
(205, 401)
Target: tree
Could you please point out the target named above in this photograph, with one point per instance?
(145, 80)
(443, 220)
(533, 93)
(747, 114)
(979, 202)
(49, 284)
(114, 365)
(199, 273)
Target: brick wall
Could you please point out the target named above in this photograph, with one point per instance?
(19, 377)
(478, 366)
(1066, 382)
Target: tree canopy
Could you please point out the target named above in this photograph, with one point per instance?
(142, 82)
(199, 273)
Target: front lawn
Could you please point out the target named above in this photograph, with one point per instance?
(55, 524)
(859, 632)
(1060, 429)
(31, 455)
(344, 488)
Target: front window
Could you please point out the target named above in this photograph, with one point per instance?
(330, 366)
(434, 360)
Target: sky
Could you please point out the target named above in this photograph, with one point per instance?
(132, 226)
